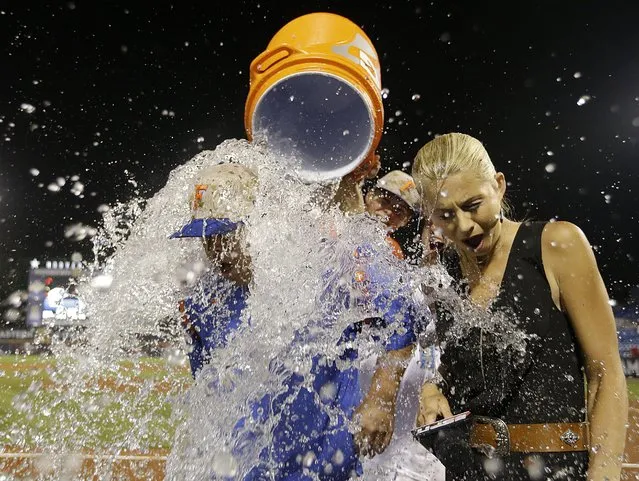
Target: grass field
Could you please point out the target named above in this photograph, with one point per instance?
(38, 406)
(46, 403)
(633, 387)
(124, 409)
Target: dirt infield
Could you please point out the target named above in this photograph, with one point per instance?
(149, 466)
(20, 463)
(126, 466)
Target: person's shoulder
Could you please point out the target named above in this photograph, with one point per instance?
(564, 246)
(562, 235)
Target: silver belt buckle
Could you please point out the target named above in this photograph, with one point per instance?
(502, 437)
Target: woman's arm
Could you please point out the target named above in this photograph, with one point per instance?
(377, 411)
(570, 262)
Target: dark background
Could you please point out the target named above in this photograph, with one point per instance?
(123, 91)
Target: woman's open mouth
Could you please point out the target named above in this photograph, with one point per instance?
(474, 242)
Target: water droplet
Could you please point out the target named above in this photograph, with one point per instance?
(28, 108)
(72, 464)
(583, 100)
(577, 75)
(309, 459)
(102, 282)
(607, 198)
(224, 465)
(550, 153)
(398, 113)
(328, 392)
(635, 122)
(416, 97)
(77, 232)
(176, 358)
(550, 168)
(338, 458)
(200, 140)
(78, 188)
(445, 37)
(53, 187)
(385, 93)
(11, 315)
(102, 208)
(346, 132)
(493, 466)
(291, 98)
(44, 464)
(535, 466)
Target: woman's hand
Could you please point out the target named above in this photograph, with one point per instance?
(376, 421)
(432, 404)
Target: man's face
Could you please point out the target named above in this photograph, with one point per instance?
(389, 208)
(229, 255)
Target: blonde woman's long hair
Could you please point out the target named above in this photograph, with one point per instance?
(447, 155)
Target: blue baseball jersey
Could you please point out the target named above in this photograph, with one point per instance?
(311, 433)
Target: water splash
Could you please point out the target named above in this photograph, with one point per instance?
(304, 263)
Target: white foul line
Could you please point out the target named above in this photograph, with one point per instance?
(116, 457)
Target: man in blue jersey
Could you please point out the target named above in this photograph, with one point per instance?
(221, 198)
(310, 432)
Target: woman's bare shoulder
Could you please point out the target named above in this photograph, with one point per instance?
(562, 235)
(563, 245)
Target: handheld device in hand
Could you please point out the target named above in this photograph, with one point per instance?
(424, 433)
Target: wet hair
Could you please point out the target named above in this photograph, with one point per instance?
(451, 154)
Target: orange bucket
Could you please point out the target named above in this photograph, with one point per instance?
(315, 96)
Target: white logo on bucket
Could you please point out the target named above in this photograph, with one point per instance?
(365, 59)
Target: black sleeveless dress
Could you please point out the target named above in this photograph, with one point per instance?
(537, 379)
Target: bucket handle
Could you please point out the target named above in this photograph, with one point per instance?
(268, 58)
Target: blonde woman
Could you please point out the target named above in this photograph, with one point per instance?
(535, 414)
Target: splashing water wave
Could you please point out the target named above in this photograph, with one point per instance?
(305, 293)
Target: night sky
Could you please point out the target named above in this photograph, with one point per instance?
(125, 92)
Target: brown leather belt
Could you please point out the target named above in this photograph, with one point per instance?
(494, 436)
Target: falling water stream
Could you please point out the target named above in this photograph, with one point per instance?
(307, 261)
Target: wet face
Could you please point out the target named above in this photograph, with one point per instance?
(389, 208)
(465, 209)
(227, 253)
